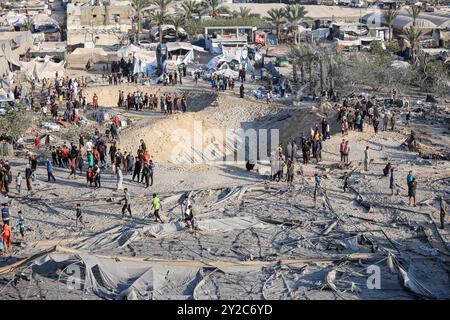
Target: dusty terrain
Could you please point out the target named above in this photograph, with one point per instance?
(259, 239)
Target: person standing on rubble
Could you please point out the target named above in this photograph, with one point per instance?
(127, 203)
(317, 181)
(443, 211)
(290, 172)
(241, 91)
(156, 206)
(392, 183)
(366, 159)
(346, 151)
(408, 118)
(393, 121)
(345, 178)
(412, 186)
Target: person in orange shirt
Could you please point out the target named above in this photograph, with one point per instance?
(95, 101)
(37, 142)
(6, 237)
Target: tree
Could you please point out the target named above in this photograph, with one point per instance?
(413, 35)
(390, 16)
(214, 7)
(138, 6)
(189, 8)
(294, 15)
(414, 13)
(243, 13)
(178, 22)
(15, 122)
(161, 15)
(277, 17)
(29, 23)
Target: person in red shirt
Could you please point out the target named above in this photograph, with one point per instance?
(6, 237)
(116, 121)
(95, 101)
(37, 142)
(146, 157)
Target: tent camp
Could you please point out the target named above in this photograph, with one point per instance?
(144, 60)
(38, 68)
(229, 60)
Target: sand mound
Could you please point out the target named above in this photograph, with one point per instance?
(179, 139)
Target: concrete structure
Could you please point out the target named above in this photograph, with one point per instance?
(99, 24)
(117, 15)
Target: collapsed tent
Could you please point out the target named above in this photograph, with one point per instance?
(39, 69)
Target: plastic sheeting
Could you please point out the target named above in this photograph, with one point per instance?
(122, 236)
(116, 279)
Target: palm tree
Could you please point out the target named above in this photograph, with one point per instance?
(390, 16)
(414, 13)
(294, 15)
(243, 13)
(277, 17)
(215, 6)
(161, 14)
(138, 6)
(189, 8)
(29, 23)
(178, 22)
(413, 35)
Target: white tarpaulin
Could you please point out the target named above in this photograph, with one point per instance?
(238, 57)
(39, 69)
(119, 237)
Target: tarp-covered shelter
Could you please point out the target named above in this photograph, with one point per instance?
(39, 68)
(12, 46)
(144, 60)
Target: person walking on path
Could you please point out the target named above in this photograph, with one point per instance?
(79, 216)
(50, 171)
(156, 206)
(127, 203)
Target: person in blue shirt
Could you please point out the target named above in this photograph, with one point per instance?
(409, 178)
(50, 171)
(5, 214)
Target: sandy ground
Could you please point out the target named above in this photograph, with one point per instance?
(294, 226)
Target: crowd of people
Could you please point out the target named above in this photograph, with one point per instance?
(167, 103)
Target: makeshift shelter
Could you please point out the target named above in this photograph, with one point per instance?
(144, 61)
(81, 55)
(231, 60)
(39, 69)
(181, 52)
